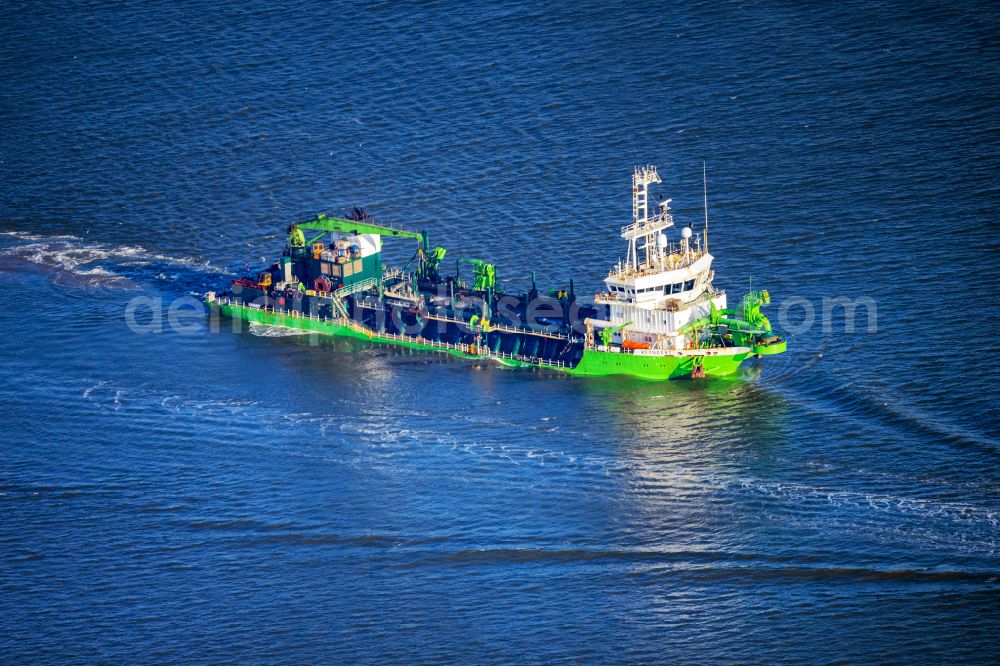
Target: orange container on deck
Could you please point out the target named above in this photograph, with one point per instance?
(633, 344)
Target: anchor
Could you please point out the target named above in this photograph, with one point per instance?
(697, 369)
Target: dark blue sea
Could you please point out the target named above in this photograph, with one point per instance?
(178, 494)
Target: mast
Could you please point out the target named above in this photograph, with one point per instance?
(704, 184)
(644, 228)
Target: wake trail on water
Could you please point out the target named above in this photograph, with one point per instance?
(854, 399)
(74, 261)
(880, 512)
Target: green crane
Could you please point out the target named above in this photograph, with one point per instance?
(753, 323)
(752, 303)
(325, 225)
(486, 274)
(606, 333)
(432, 262)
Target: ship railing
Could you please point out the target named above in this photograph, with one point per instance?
(467, 348)
(398, 275)
(527, 331)
(648, 226)
(674, 258)
(373, 304)
(296, 314)
(279, 311)
(496, 327)
(356, 287)
(398, 295)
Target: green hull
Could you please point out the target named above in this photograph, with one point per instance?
(598, 363)
(594, 363)
(324, 326)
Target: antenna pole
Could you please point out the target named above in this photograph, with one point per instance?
(704, 184)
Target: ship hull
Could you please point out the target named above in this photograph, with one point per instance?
(334, 328)
(593, 363)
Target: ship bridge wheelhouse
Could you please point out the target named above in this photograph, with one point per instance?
(662, 285)
(654, 287)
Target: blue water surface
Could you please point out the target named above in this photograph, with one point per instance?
(215, 495)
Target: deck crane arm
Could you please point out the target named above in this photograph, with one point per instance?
(325, 224)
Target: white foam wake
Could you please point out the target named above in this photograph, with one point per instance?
(269, 331)
(89, 261)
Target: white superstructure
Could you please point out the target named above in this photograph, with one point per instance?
(367, 244)
(661, 285)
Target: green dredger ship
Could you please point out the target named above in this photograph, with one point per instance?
(660, 317)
